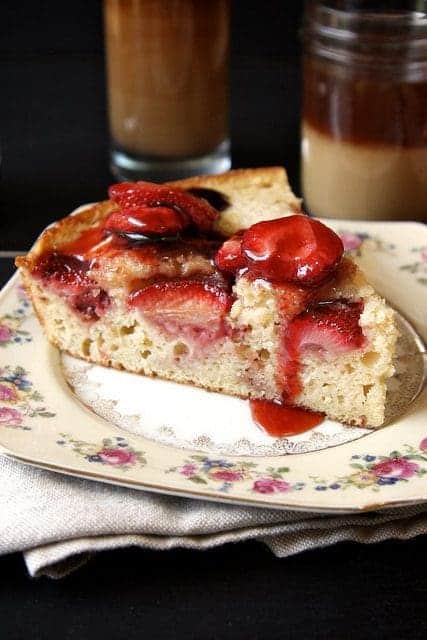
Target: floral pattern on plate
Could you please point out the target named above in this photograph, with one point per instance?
(203, 470)
(355, 243)
(18, 398)
(378, 471)
(368, 471)
(113, 452)
(11, 322)
(418, 267)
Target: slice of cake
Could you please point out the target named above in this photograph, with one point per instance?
(218, 282)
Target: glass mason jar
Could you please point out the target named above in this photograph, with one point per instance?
(364, 122)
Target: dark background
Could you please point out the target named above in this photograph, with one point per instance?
(53, 121)
(54, 139)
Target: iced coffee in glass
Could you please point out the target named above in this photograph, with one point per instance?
(167, 77)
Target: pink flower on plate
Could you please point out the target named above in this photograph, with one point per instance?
(270, 485)
(10, 416)
(117, 456)
(7, 393)
(188, 470)
(395, 468)
(226, 475)
(350, 240)
(424, 255)
(4, 333)
(423, 445)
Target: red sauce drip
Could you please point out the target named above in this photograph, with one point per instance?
(88, 242)
(279, 420)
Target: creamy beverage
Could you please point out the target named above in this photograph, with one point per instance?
(167, 67)
(367, 160)
(364, 125)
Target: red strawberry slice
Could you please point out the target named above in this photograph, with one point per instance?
(229, 257)
(66, 273)
(147, 221)
(191, 309)
(295, 249)
(126, 194)
(149, 194)
(67, 276)
(326, 327)
(329, 326)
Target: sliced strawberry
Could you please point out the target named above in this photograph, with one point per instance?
(229, 257)
(192, 309)
(147, 221)
(149, 194)
(67, 273)
(67, 276)
(328, 326)
(324, 328)
(126, 194)
(295, 249)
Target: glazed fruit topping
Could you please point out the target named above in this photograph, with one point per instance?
(327, 327)
(147, 221)
(67, 275)
(192, 309)
(295, 249)
(66, 272)
(229, 257)
(134, 195)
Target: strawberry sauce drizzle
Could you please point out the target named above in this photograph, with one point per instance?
(88, 242)
(279, 420)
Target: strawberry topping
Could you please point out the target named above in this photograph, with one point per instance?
(192, 309)
(147, 221)
(129, 195)
(65, 272)
(295, 249)
(326, 327)
(229, 257)
(67, 276)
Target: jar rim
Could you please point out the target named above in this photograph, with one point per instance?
(334, 32)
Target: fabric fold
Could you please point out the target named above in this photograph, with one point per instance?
(60, 521)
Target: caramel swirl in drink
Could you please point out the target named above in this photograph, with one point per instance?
(364, 128)
(167, 75)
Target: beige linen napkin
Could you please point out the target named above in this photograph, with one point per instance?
(58, 521)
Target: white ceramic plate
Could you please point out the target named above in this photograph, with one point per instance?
(124, 429)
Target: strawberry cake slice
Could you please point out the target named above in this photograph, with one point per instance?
(219, 282)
